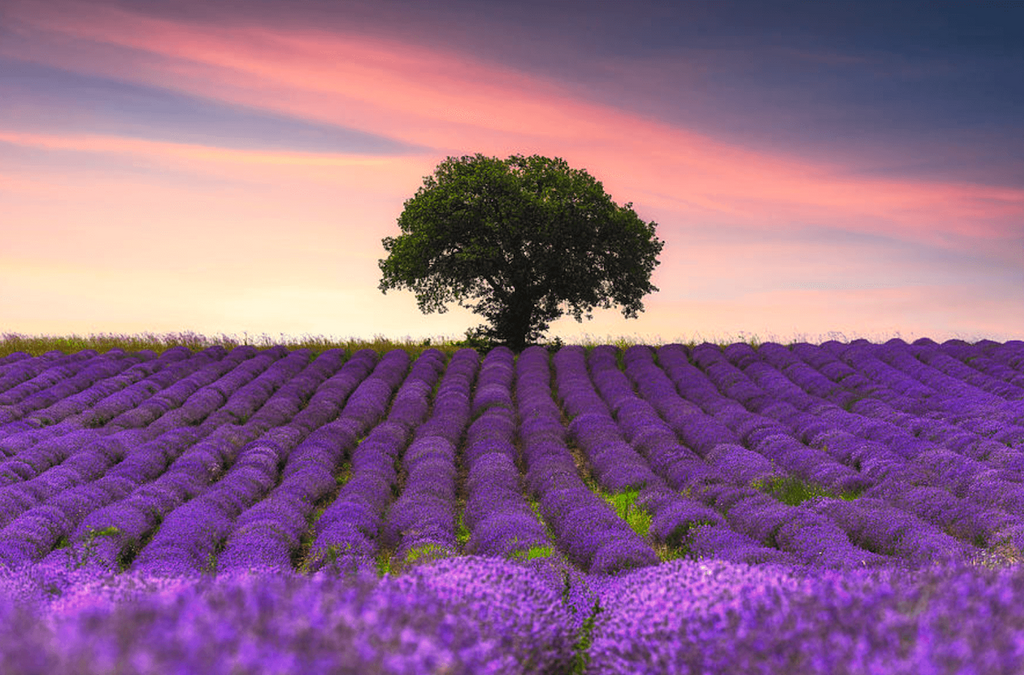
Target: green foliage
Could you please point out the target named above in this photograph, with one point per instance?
(80, 556)
(625, 506)
(462, 533)
(674, 554)
(387, 563)
(383, 564)
(328, 556)
(11, 343)
(37, 345)
(302, 557)
(104, 342)
(539, 552)
(425, 553)
(791, 490)
(344, 474)
(127, 556)
(585, 638)
(475, 339)
(554, 345)
(515, 240)
(532, 553)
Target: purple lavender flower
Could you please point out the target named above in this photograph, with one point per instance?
(506, 532)
(738, 464)
(714, 541)
(880, 528)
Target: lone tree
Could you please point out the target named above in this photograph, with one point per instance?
(521, 237)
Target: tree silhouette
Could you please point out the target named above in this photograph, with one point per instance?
(519, 241)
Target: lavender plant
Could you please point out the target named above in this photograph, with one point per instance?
(834, 508)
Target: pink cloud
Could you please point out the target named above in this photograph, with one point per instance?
(441, 98)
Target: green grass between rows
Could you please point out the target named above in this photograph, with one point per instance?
(37, 345)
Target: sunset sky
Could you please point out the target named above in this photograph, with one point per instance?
(815, 169)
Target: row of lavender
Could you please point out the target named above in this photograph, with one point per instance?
(925, 470)
(269, 460)
(474, 615)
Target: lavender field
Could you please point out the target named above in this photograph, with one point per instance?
(833, 508)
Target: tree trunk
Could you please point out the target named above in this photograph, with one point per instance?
(516, 322)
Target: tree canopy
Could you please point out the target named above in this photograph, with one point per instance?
(519, 241)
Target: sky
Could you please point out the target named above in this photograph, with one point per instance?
(817, 170)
